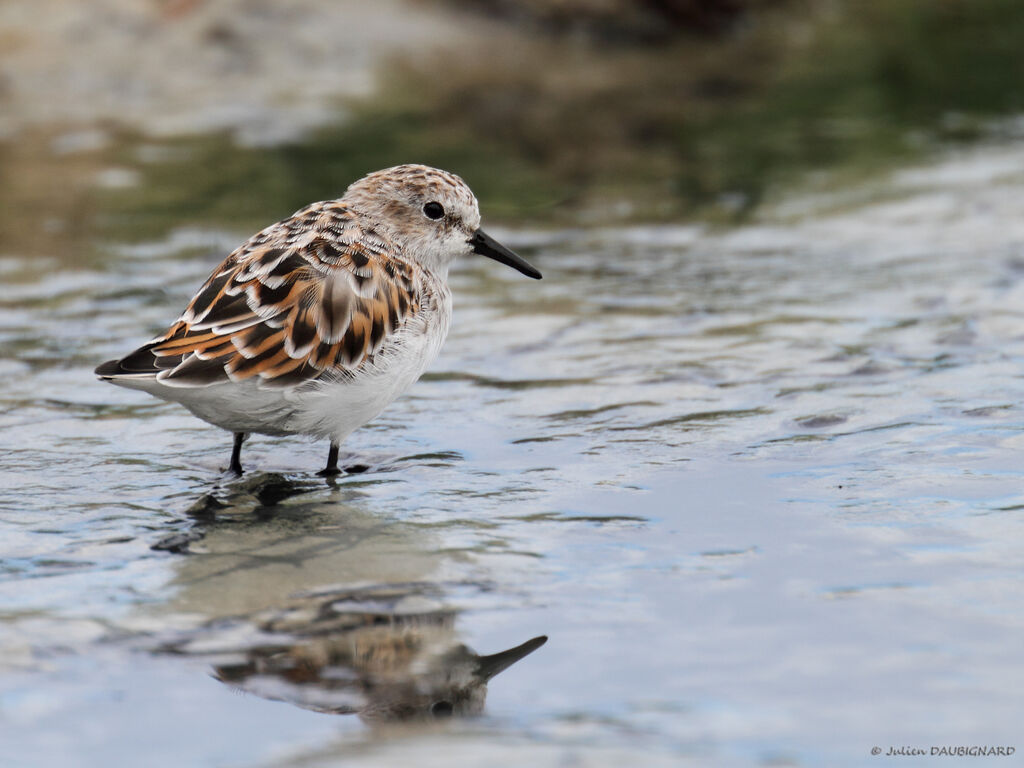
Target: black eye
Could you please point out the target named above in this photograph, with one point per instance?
(441, 708)
(433, 210)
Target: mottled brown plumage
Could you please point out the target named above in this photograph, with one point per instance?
(349, 293)
(289, 309)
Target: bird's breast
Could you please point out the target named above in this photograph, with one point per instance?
(339, 405)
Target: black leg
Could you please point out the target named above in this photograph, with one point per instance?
(332, 463)
(236, 453)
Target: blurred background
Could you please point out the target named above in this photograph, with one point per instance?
(122, 118)
(748, 455)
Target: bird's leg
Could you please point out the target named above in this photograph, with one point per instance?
(332, 463)
(236, 453)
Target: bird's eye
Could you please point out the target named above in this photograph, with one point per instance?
(441, 709)
(433, 210)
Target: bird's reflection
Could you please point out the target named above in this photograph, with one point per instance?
(387, 653)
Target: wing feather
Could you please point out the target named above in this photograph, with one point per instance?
(308, 297)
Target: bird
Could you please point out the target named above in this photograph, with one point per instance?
(318, 322)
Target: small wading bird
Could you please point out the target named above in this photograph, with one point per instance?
(315, 324)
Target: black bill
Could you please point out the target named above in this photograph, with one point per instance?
(488, 666)
(487, 246)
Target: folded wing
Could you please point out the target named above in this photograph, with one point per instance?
(313, 295)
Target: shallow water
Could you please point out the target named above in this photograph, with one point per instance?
(761, 487)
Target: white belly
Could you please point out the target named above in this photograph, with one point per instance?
(330, 408)
(334, 409)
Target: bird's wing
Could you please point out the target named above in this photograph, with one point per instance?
(312, 295)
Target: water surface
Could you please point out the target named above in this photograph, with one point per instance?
(761, 488)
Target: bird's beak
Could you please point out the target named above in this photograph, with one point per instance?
(488, 666)
(487, 246)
